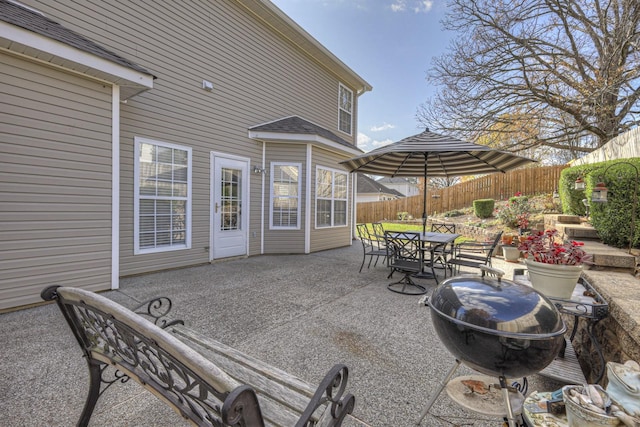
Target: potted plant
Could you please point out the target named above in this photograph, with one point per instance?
(507, 239)
(554, 267)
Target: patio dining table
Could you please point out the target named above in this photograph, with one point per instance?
(430, 236)
(429, 240)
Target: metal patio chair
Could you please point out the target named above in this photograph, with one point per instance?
(406, 255)
(370, 247)
(443, 253)
(474, 254)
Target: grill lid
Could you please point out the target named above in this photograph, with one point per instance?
(498, 307)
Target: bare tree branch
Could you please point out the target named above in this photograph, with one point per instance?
(562, 74)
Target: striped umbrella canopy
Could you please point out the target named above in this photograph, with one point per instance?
(429, 154)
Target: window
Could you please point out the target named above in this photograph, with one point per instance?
(345, 109)
(285, 195)
(331, 198)
(162, 206)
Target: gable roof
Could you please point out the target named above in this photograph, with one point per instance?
(297, 129)
(368, 185)
(29, 32)
(395, 180)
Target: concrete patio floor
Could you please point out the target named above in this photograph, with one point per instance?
(301, 313)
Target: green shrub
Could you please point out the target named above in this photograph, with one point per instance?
(570, 198)
(613, 218)
(483, 208)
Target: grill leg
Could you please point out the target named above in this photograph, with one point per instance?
(505, 393)
(443, 384)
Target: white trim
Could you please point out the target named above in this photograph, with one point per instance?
(298, 198)
(262, 206)
(115, 187)
(136, 196)
(307, 211)
(354, 206)
(246, 188)
(340, 87)
(333, 198)
(70, 53)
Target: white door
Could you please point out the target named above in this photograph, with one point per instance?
(229, 206)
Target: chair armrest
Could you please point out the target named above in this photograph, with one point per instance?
(474, 246)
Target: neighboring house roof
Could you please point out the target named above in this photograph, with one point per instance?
(273, 17)
(35, 23)
(368, 185)
(395, 180)
(295, 128)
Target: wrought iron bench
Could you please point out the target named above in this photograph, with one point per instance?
(203, 380)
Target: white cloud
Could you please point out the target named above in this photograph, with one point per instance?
(363, 139)
(384, 126)
(418, 6)
(366, 143)
(399, 6)
(423, 6)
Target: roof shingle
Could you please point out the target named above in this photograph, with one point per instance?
(38, 23)
(296, 124)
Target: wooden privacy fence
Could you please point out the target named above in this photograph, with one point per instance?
(497, 186)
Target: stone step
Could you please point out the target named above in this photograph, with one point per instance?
(578, 232)
(564, 219)
(605, 256)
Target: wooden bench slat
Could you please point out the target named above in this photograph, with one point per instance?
(283, 397)
(205, 381)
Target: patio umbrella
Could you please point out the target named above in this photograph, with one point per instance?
(429, 154)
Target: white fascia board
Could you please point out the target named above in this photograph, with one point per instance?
(61, 50)
(302, 138)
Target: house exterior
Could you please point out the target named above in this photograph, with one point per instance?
(370, 190)
(135, 139)
(406, 186)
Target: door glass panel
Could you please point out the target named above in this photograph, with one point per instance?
(231, 199)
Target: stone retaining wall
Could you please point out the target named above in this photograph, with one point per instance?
(619, 333)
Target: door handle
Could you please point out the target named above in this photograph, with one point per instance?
(217, 207)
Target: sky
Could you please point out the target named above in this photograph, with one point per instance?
(390, 44)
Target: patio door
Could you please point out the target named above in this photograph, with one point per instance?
(229, 206)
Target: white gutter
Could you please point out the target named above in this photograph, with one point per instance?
(307, 211)
(22, 41)
(264, 159)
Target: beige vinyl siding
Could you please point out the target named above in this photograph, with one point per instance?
(285, 241)
(332, 237)
(55, 169)
(257, 77)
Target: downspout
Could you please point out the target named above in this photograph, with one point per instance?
(115, 187)
(264, 159)
(307, 211)
(354, 206)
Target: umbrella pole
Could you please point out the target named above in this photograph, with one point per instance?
(424, 196)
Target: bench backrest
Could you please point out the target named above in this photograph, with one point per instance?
(192, 385)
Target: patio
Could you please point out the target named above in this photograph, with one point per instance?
(302, 313)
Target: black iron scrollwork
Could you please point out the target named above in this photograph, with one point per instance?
(153, 365)
(157, 310)
(331, 390)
